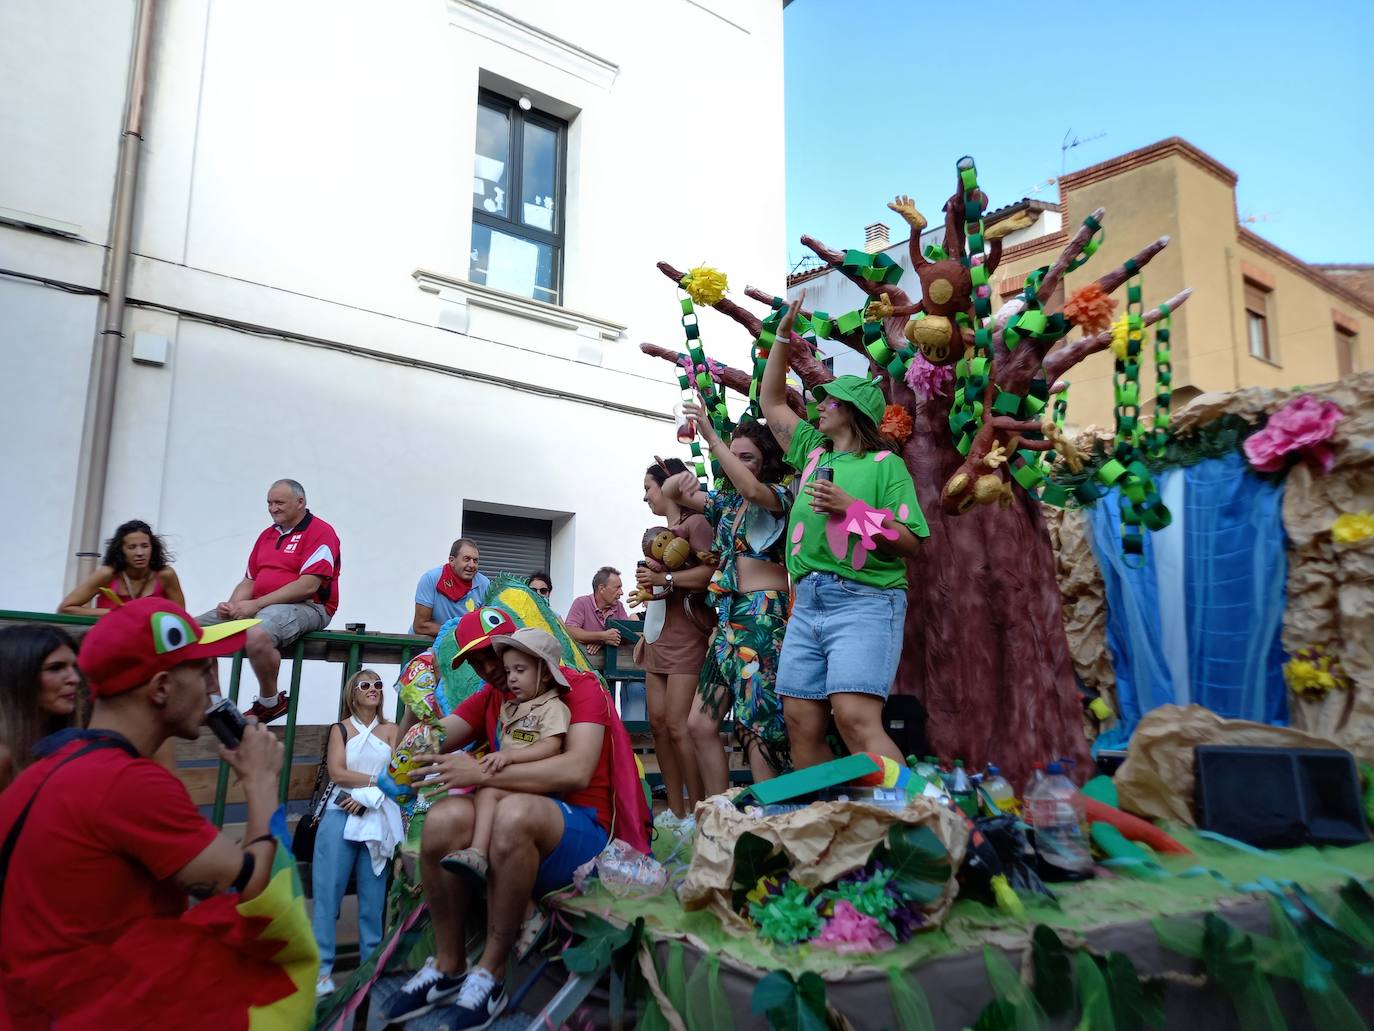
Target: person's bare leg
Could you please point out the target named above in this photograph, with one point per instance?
(484, 802)
(807, 721)
(528, 829)
(703, 728)
(656, 699)
(265, 660)
(682, 694)
(758, 765)
(448, 827)
(859, 719)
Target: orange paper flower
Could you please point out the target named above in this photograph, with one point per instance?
(1090, 309)
(896, 424)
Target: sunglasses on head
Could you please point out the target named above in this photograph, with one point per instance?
(369, 685)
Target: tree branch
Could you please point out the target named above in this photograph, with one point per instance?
(729, 377)
(1018, 304)
(744, 317)
(1113, 279)
(853, 339)
(835, 259)
(1059, 362)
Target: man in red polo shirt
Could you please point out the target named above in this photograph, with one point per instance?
(292, 586)
(102, 845)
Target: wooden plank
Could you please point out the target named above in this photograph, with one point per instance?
(200, 782)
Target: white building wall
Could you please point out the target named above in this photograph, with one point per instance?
(302, 161)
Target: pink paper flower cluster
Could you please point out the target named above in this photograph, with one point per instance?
(927, 380)
(712, 367)
(1304, 425)
(849, 931)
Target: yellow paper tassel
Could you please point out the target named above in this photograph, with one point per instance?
(1352, 527)
(1007, 900)
(705, 285)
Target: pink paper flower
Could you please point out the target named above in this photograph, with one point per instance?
(1304, 425)
(926, 380)
(849, 931)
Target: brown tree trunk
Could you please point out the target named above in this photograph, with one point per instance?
(984, 646)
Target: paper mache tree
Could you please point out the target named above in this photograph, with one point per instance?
(976, 404)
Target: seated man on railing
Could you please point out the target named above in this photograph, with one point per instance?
(292, 586)
(586, 619)
(557, 814)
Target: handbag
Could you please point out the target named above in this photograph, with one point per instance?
(303, 841)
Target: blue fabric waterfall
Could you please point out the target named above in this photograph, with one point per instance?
(1200, 619)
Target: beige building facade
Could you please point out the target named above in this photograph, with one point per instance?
(1259, 316)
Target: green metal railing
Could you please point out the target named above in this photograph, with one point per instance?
(353, 650)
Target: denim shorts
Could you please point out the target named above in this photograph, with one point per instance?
(582, 839)
(843, 636)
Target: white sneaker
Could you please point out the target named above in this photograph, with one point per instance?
(324, 986)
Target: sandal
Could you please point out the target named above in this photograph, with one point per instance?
(467, 862)
(531, 932)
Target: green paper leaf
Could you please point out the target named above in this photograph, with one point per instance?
(920, 863)
(755, 859)
(789, 1005)
(1355, 913)
(1092, 993)
(1053, 978)
(909, 1003)
(1006, 984)
(998, 1015)
(1136, 1004)
(599, 941)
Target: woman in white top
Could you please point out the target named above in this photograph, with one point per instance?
(355, 758)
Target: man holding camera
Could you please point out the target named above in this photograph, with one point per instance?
(101, 845)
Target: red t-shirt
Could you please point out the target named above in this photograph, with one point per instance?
(587, 702)
(96, 855)
(279, 559)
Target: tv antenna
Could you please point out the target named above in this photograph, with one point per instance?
(1068, 144)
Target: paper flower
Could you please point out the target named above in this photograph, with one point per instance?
(896, 424)
(1120, 335)
(705, 285)
(927, 380)
(867, 894)
(1352, 527)
(1090, 309)
(849, 931)
(1303, 425)
(1311, 673)
(788, 917)
(865, 522)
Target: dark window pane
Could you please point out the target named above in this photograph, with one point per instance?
(539, 178)
(506, 262)
(489, 169)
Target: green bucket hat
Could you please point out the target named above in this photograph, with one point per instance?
(862, 393)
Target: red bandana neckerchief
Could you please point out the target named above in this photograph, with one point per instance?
(452, 586)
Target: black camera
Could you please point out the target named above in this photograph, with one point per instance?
(227, 722)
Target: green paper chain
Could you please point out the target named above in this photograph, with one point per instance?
(711, 400)
(972, 372)
(1164, 377)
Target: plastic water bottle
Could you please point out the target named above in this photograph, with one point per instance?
(1036, 778)
(996, 788)
(1056, 810)
(961, 790)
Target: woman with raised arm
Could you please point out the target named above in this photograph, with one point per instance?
(135, 565)
(749, 593)
(855, 522)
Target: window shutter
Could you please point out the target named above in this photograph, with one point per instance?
(509, 544)
(1256, 299)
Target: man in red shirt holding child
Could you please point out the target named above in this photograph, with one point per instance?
(292, 586)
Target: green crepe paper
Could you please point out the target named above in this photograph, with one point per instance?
(1137, 1005)
(1008, 987)
(787, 918)
(707, 1007)
(868, 897)
(909, 1003)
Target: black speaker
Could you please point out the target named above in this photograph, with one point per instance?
(904, 719)
(1279, 797)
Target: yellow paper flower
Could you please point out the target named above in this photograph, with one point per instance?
(1119, 337)
(705, 285)
(1312, 673)
(1352, 527)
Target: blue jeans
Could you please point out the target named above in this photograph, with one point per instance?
(843, 636)
(334, 859)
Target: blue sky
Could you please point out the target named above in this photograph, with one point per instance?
(880, 101)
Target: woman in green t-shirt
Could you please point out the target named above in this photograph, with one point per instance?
(855, 522)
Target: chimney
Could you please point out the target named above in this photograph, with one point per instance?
(875, 237)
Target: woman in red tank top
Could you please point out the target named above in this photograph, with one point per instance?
(136, 565)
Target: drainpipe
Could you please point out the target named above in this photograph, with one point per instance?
(105, 355)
